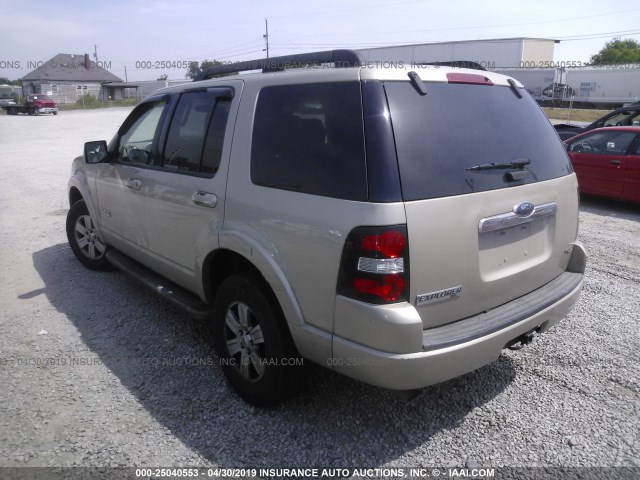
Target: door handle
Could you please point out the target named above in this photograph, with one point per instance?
(205, 199)
(614, 162)
(134, 183)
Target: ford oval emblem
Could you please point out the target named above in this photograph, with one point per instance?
(524, 209)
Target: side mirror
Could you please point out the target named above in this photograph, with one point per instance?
(95, 152)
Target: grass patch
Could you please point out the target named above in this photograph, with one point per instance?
(577, 115)
(93, 103)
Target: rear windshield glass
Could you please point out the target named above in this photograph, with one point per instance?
(456, 126)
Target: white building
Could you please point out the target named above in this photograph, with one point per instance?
(491, 54)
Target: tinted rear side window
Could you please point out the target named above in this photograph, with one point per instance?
(194, 141)
(457, 126)
(309, 138)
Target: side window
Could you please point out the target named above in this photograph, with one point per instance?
(309, 138)
(195, 138)
(624, 119)
(136, 142)
(605, 143)
(635, 148)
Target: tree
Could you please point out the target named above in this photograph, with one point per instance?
(6, 81)
(195, 68)
(164, 76)
(618, 51)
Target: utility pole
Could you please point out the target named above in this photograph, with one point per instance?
(266, 35)
(95, 52)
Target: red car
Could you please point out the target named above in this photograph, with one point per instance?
(607, 162)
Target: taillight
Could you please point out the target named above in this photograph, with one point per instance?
(469, 79)
(375, 265)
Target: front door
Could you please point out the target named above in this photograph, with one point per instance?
(119, 187)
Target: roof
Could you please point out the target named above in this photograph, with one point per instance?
(122, 84)
(68, 67)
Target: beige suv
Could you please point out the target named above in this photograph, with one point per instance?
(399, 225)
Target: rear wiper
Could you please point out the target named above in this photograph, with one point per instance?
(497, 166)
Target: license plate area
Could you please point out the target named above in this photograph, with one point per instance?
(509, 251)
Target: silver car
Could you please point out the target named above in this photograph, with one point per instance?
(399, 225)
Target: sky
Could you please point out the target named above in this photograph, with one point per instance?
(138, 35)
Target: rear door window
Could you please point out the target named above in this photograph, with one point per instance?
(454, 127)
(196, 134)
(310, 139)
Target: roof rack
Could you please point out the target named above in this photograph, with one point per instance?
(340, 59)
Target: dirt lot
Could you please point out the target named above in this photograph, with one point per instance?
(95, 370)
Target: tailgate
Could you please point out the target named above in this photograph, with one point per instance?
(469, 153)
(458, 271)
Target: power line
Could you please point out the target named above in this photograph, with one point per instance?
(475, 27)
(302, 46)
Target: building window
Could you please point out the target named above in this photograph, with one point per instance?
(54, 88)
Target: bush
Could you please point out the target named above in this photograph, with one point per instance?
(88, 101)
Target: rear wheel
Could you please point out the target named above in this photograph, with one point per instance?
(257, 354)
(84, 239)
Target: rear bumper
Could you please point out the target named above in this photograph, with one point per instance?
(461, 347)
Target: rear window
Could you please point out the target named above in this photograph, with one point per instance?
(457, 126)
(194, 141)
(310, 139)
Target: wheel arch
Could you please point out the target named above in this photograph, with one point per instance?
(78, 189)
(239, 249)
(251, 258)
(74, 195)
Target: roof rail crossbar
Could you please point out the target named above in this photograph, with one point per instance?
(339, 58)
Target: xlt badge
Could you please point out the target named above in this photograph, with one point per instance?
(439, 296)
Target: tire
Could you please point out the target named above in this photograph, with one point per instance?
(84, 239)
(256, 352)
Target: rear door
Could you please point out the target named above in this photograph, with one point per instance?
(185, 193)
(487, 234)
(599, 160)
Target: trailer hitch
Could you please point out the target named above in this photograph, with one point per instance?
(523, 340)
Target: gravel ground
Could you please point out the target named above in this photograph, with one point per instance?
(95, 369)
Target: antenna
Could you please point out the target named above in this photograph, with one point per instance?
(95, 52)
(266, 35)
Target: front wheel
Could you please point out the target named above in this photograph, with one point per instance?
(84, 239)
(256, 352)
